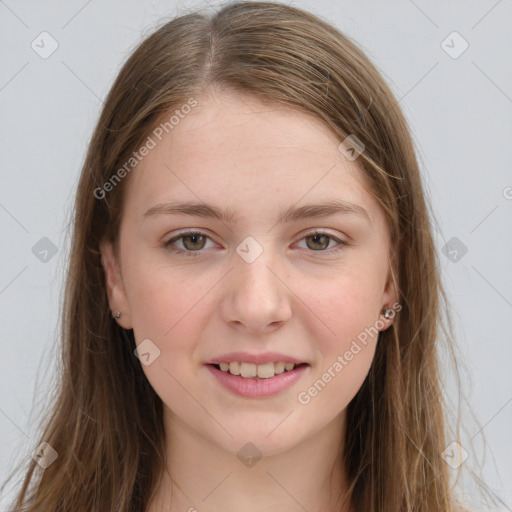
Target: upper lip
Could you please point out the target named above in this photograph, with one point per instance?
(245, 357)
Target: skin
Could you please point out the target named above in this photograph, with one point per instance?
(256, 159)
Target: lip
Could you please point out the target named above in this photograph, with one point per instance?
(255, 387)
(245, 357)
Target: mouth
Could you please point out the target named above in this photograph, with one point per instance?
(255, 381)
(257, 371)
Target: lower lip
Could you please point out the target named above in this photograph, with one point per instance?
(255, 387)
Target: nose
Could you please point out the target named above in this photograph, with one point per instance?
(256, 298)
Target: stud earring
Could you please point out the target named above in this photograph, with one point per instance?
(388, 313)
(117, 315)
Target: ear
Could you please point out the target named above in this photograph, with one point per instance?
(390, 298)
(115, 286)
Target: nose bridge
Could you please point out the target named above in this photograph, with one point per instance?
(254, 281)
(256, 296)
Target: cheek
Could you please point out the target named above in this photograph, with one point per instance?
(167, 309)
(158, 295)
(344, 360)
(344, 305)
(334, 386)
(346, 314)
(169, 306)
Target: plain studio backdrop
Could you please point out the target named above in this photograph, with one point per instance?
(447, 63)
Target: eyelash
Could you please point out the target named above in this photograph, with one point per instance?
(168, 245)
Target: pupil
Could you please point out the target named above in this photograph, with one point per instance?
(194, 240)
(316, 237)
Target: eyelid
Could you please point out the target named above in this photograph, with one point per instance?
(319, 231)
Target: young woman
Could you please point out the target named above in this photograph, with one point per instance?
(253, 310)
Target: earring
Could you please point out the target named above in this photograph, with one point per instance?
(388, 313)
(117, 315)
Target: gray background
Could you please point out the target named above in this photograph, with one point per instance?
(460, 114)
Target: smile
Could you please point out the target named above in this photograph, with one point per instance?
(251, 370)
(250, 380)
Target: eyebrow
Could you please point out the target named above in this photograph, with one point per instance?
(293, 213)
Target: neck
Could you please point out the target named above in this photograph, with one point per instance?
(202, 476)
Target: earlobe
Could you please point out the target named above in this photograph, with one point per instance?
(114, 285)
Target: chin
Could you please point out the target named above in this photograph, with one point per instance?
(262, 440)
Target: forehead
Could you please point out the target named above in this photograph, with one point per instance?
(241, 127)
(233, 147)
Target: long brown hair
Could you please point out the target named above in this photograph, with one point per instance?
(106, 422)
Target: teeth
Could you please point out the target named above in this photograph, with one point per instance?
(248, 370)
(279, 367)
(265, 370)
(234, 368)
(251, 370)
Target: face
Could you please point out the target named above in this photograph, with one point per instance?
(307, 288)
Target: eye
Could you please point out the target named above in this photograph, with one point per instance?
(319, 241)
(194, 241)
